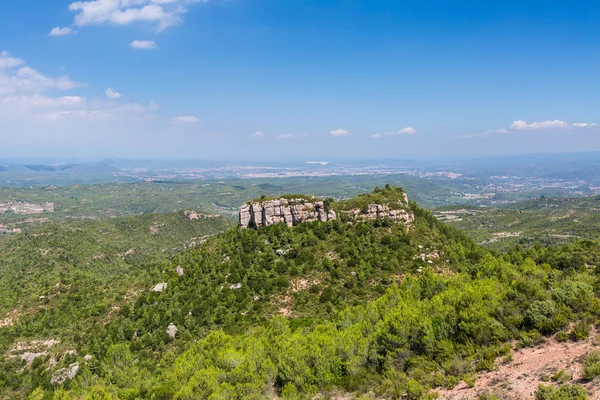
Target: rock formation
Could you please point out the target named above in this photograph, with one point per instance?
(291, 212)
(63, 374)
(295, 211)
(375, 211)
(171, 330)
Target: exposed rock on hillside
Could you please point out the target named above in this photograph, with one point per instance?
(64, 374)
(297, 210)
(292, 212)
(375, 211)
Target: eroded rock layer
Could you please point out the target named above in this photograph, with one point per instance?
(291, 212)
(295, 211)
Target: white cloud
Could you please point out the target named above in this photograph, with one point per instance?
(160, 13)
(8, 61)
(550, 124)
(339, 132)
(523, 125)
(187, 119)
(106, 111)
(62, 31)
(404, 131)
(28, 95)
(27, 80)
(40, 101)
(584, 125)
(17, 80)
(519, 126)
(376, 136)
(286, 136)
(257, 134)
(143, 44)
(111, 94)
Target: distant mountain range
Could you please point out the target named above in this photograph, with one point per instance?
(75, 169)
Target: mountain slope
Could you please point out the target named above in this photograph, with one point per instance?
(343, 308)
(58, 281)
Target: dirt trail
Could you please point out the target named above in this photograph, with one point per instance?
(520, 378)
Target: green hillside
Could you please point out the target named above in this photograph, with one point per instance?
(551, 221)
(59, 281)
(340, 309)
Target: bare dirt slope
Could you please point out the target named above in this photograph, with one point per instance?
(530, 367)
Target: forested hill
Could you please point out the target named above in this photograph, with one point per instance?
(343, 308)
(549, 220)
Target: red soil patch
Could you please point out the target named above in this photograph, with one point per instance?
(520, 378)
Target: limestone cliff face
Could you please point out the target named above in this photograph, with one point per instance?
(295, 211)
(289, 211)
(375, 211)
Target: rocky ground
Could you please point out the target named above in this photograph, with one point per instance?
(518, 379)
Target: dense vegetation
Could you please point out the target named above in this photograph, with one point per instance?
(59, 281)
(322, 309)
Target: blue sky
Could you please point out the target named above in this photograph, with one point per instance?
(269, 79)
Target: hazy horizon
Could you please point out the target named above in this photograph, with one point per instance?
(293, 160)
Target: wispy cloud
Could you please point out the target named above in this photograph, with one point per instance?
(62, 31)
(404, 131)
(186, 119)
(286, 136)
(520, 126)
(143, 44)
(523, 125)
(8, 61)
(27, 94)
(339, 132)
(111, 94)
(584, 125)
(161, 14)
(35, 101)
(26, 80)
(257, 135)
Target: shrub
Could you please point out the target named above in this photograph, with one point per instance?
(562, 376)
(581, 330)
(414, 390)
(531, 339)
(562, 336)
(540, 314)
(591, 365)
(470, 380)
(488, 396)
(567, 392)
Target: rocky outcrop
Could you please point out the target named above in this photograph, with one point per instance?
(289, 211)
(295, 211)
(63, 374)
(375, 211)
(171, 330)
